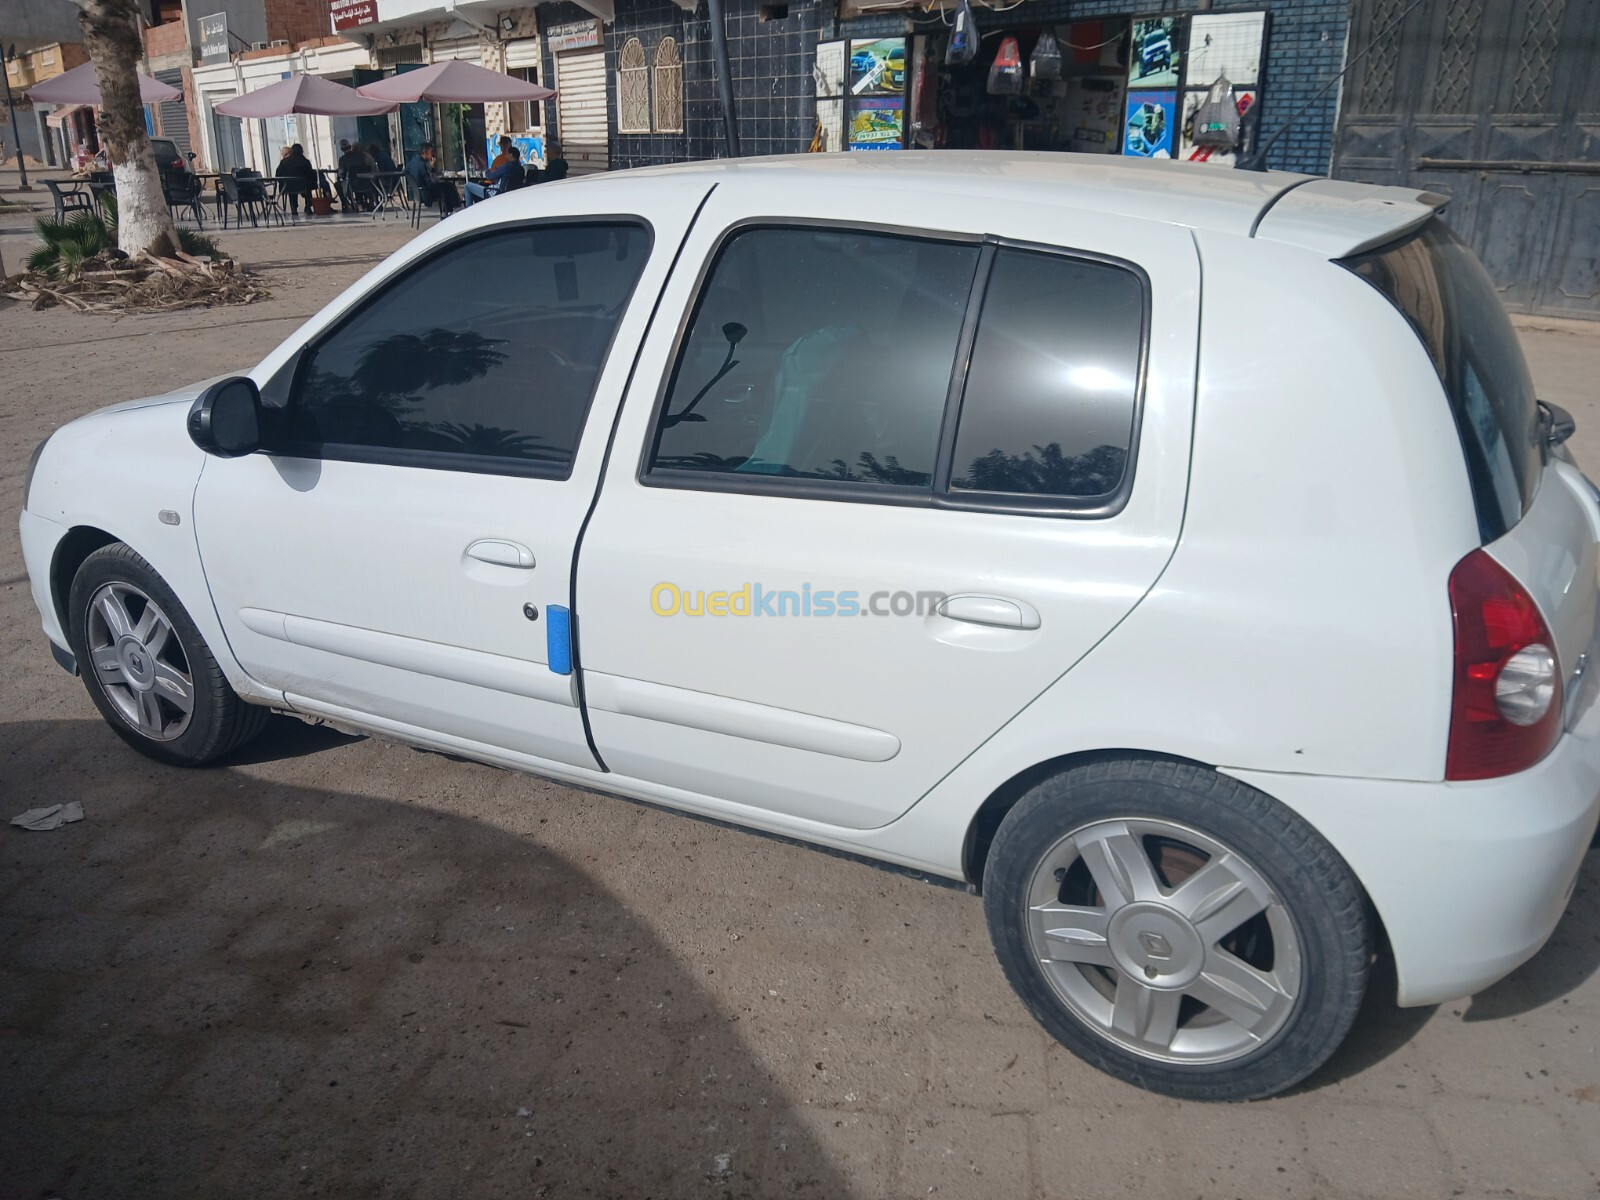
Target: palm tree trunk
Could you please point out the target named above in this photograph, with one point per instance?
(111, 38)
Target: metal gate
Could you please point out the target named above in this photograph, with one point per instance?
(581, 115)
(1497, 105)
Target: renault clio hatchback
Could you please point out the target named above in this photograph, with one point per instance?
(1179, 557)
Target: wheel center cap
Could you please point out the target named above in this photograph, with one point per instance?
(1156, 945)
(137, 663)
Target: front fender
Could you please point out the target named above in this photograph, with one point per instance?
(130, 472)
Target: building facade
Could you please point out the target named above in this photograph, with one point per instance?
(1498, 107)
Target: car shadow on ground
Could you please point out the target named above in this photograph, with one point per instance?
(222, 985)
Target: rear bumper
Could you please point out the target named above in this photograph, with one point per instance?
(1470, 879)
(39, 541)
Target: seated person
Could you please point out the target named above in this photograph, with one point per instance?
(430, 188)
(503, 178)
(297, 178)
(504, 156)
(353, 162)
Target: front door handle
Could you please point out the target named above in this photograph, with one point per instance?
(990, 610)
(501, 553)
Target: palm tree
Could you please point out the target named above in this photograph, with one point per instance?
(111, 38)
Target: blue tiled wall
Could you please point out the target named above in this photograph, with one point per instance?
(771, 67)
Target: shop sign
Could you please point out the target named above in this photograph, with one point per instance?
(352, 14)
(571, 35)
(214, 38)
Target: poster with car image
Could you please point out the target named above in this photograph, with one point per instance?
(878, 67)
(1155, 53)
(1151, 124)
(876, 123)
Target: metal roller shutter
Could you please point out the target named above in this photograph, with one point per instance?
(174, 115)
(581, 110)
(524, 52)
(465, 49)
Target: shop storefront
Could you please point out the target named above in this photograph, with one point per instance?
(230, 143)
(1187, 86)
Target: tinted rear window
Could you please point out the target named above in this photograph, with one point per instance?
(1443, 290)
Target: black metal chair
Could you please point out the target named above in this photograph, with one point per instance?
(240, 199)
(184, 195)
(253, 195)
(73, 199)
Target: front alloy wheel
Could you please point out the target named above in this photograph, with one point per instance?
(147, 668)
(139, 662)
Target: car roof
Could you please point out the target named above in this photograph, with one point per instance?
(1328, 216)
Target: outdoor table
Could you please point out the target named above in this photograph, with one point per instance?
(220, 201)
(385, 189)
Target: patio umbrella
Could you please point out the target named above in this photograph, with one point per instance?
(304, 94)
(454, 82)
(79, 86)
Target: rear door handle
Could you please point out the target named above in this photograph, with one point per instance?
(501, 553)
(990, 610)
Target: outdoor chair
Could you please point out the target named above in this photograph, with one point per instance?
(260, 194)
(184, 195)
(71, 200)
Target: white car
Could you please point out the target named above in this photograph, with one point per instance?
(1179, 556)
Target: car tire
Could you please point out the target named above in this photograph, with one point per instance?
(1233, 989)
(147, 668)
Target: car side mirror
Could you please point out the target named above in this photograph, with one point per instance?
(226, 418)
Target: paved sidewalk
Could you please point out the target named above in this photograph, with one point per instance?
(344, 968)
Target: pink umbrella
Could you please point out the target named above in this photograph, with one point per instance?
(79, 86)
(453, 82)
(304, 94)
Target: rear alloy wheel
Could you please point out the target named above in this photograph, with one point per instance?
(147, 668)
(1178, 929)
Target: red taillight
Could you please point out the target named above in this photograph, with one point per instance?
(177, 164)
(1501, 721)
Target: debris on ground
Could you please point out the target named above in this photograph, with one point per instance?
(113, 281)
(42, 820)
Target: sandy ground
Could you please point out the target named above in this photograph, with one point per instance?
(344, 968)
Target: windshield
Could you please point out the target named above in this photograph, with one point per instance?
(1441, 287)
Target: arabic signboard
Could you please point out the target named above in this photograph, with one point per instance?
(352, 14)
(571, 35)
(214, 38)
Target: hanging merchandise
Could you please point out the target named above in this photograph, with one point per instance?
(1005, 76)
(1045, 63)
(963, 46)
(1216, 121)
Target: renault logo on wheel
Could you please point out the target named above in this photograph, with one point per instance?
(1155, 945)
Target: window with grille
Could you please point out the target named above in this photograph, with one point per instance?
(522, 116)
(633, 89)
(669, 87)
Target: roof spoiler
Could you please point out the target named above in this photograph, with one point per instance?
(1337, 218)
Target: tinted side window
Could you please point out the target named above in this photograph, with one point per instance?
(818, 354)
(1049, 404)
(482, 358)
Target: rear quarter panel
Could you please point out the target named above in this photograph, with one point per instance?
(1303, 624)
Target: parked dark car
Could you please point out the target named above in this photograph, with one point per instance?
(171, 163)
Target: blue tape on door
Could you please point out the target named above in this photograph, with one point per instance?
(558, 638)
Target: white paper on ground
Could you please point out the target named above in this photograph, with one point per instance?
(41, 820)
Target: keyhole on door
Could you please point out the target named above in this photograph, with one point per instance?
(531, 611)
